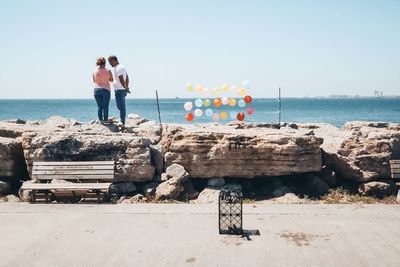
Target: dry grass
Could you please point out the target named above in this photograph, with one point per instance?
(342, 196)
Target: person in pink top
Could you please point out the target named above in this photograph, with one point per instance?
(101, 79)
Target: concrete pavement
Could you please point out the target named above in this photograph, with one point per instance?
(187, 235)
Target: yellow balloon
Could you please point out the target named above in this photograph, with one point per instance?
(242, 91)
(189, 87)
(232, 102)
(223, 115)
(225, 88)
(215, 91)
(207, 103)
(198, 88)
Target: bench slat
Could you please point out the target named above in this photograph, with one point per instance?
(75, 186)
(395, 161)
(72, 163)
(395, 175)
(397, 166)
(74, 177)
(72, 172)
(96, 167)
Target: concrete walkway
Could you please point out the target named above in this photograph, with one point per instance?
(187, 235)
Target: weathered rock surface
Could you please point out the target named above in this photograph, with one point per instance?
(361, 150)
(178, 171)
(12, 163)
(288, 198)
(208, 195)
(210, 151)
(378, 189)
(170, 189)
(174, 186)
(131, 154)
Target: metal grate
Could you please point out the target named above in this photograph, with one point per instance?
(230, 211)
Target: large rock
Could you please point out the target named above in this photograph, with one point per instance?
(361, 150)
(208, 195)
(170, 189)
(378, 189)
(131, 154)
(178, 171)
(12, 163)
(210, 151)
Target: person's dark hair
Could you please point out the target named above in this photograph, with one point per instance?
(112, 57)
(100, 61)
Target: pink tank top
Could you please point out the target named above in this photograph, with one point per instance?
(101, 78)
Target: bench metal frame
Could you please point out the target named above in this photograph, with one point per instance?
(90, 178)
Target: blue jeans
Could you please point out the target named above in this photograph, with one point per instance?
(120, 99)
(102, 97)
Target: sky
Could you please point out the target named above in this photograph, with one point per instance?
(308, 48)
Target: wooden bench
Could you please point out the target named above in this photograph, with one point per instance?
(395, 169)
(88, 179)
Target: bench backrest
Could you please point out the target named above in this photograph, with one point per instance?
(92, 171)
(395, 167)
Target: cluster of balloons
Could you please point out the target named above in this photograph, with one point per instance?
(218, 91)
(194, 109)
(223, 115)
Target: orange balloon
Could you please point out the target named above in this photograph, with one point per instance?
(217, 102)
(248, 99)
(240, 116)
(189, 116)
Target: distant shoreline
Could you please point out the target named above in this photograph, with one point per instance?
(187, 98)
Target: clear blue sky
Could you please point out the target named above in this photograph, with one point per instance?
(48, 48)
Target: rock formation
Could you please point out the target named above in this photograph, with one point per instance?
(360, 150)
(172, 161)
(214, 151)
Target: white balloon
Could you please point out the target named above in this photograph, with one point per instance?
(246, 83)
(198, 103)
(198, 112)
(225, 101)
(209, 112)
(188, 106)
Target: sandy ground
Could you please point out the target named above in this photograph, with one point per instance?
(187, 235)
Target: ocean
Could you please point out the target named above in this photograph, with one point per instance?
(335, 111)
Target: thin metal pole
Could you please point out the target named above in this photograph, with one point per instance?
(280, 106)
(158, 108)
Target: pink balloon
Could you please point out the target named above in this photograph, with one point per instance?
(250, 111)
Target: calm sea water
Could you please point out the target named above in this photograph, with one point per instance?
(334, 111)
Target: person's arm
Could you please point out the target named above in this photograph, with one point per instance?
(121, 79)
(124, 83)
(93, 78)
(110, 78)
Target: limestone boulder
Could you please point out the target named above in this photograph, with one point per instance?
(178, 171)
(378, 189)
(131, 154)
(361, 150)
(208, 195)
(217, 151)
(170, 189)
(12, 162)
